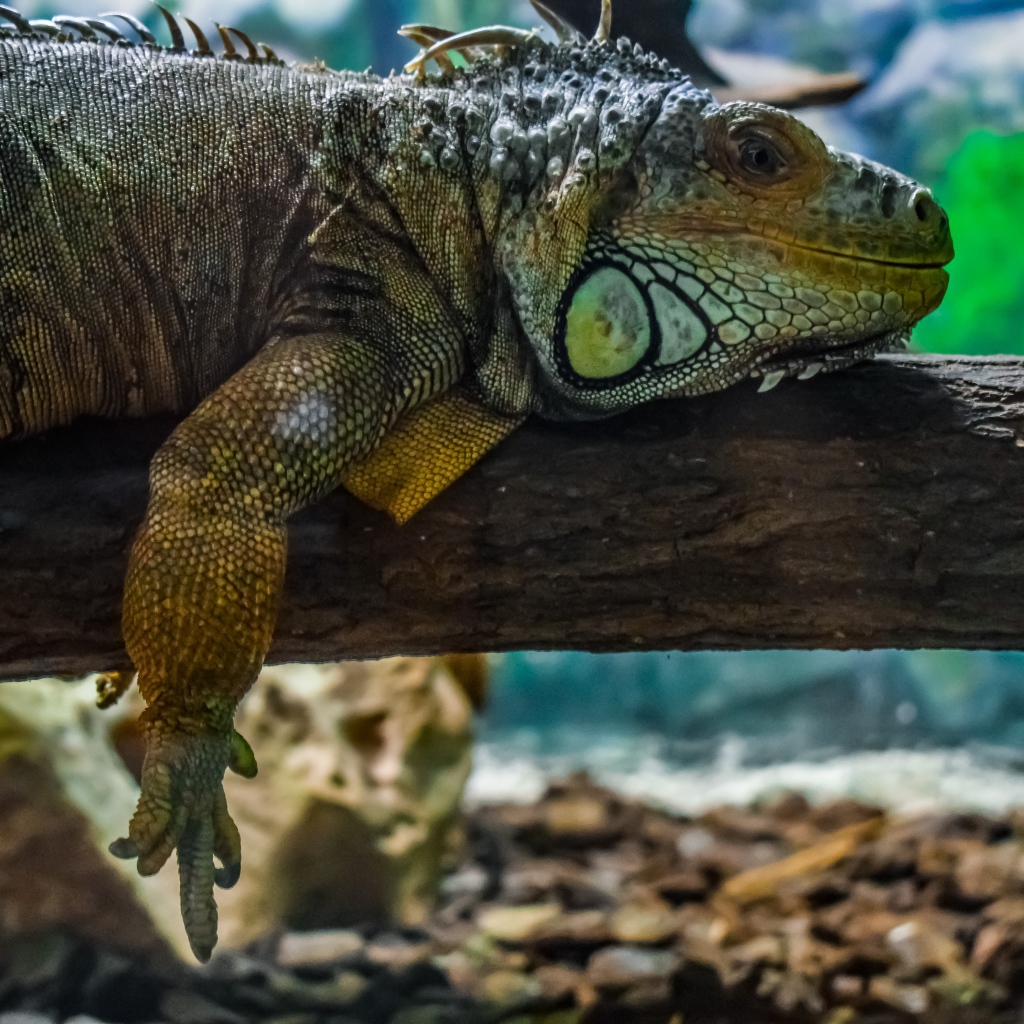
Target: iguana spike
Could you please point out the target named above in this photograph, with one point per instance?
(140, 30)
(65, 21)
(110, 31)
(230, 53)
(177, 39)
(434, 35)
(254, 55)
(16, 19)
(201, 41)
(432, 32)
(565, 32)
(269, 54)
(46, 27)
(493, 35)
(604, 29)
(425, 39)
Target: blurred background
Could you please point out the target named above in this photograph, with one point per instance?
(943, 102)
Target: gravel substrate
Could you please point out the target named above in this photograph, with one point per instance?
(588, 907)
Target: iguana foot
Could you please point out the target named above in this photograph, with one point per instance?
(182, 806)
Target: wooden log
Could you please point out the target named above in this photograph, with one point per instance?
(877, 507)
(810, 91)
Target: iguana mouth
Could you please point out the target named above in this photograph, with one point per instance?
(773, 367)
(852, 256)
(692, 228)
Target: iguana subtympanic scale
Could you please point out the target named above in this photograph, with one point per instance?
(348, 279)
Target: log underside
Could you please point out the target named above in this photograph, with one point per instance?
(877, 507)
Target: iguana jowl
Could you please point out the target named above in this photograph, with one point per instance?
(351, 280)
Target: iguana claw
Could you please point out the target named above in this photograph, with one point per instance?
(182, 806)
(243, 760)
(124, 849)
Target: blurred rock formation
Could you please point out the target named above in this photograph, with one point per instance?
(64, 795)
(362, 769)
(947, 79)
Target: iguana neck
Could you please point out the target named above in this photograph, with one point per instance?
(499, 169)
(405, 160)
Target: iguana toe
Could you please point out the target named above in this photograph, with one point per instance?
(157, 837)
(227, 844)
(111, 687)
(182, 807)
(196, 877)
(123, 849)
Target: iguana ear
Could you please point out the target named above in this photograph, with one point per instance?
(425, 452)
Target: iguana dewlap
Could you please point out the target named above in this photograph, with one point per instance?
(343, 279)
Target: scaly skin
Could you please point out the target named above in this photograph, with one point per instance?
(343, 279)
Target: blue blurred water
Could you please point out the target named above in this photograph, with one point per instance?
(912, 730)
(780, 704)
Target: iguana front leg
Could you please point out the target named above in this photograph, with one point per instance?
(205, 579)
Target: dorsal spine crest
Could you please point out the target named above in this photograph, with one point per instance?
(102, 32)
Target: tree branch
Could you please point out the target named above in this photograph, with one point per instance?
(879, 507)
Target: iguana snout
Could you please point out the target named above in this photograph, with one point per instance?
(810, 258)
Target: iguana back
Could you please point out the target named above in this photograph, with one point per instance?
(154, 216)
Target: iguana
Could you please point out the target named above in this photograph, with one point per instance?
(346, 279)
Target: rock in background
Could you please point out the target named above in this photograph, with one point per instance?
(362, 769)
(938, 69)
(947, 80)
(64, 796)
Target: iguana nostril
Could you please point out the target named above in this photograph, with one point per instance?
(925, 207)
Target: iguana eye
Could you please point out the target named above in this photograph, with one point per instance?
(764, 150)
(759, 157)
(607, 326)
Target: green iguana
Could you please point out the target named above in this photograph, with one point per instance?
(344, 279)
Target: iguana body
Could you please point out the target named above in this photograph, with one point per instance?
(344, 279)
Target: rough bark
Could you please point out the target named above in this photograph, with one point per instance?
(878, 507)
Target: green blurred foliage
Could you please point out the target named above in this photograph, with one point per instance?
(983, 192)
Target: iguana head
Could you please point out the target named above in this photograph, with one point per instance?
(658, 244)
(736, 244)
